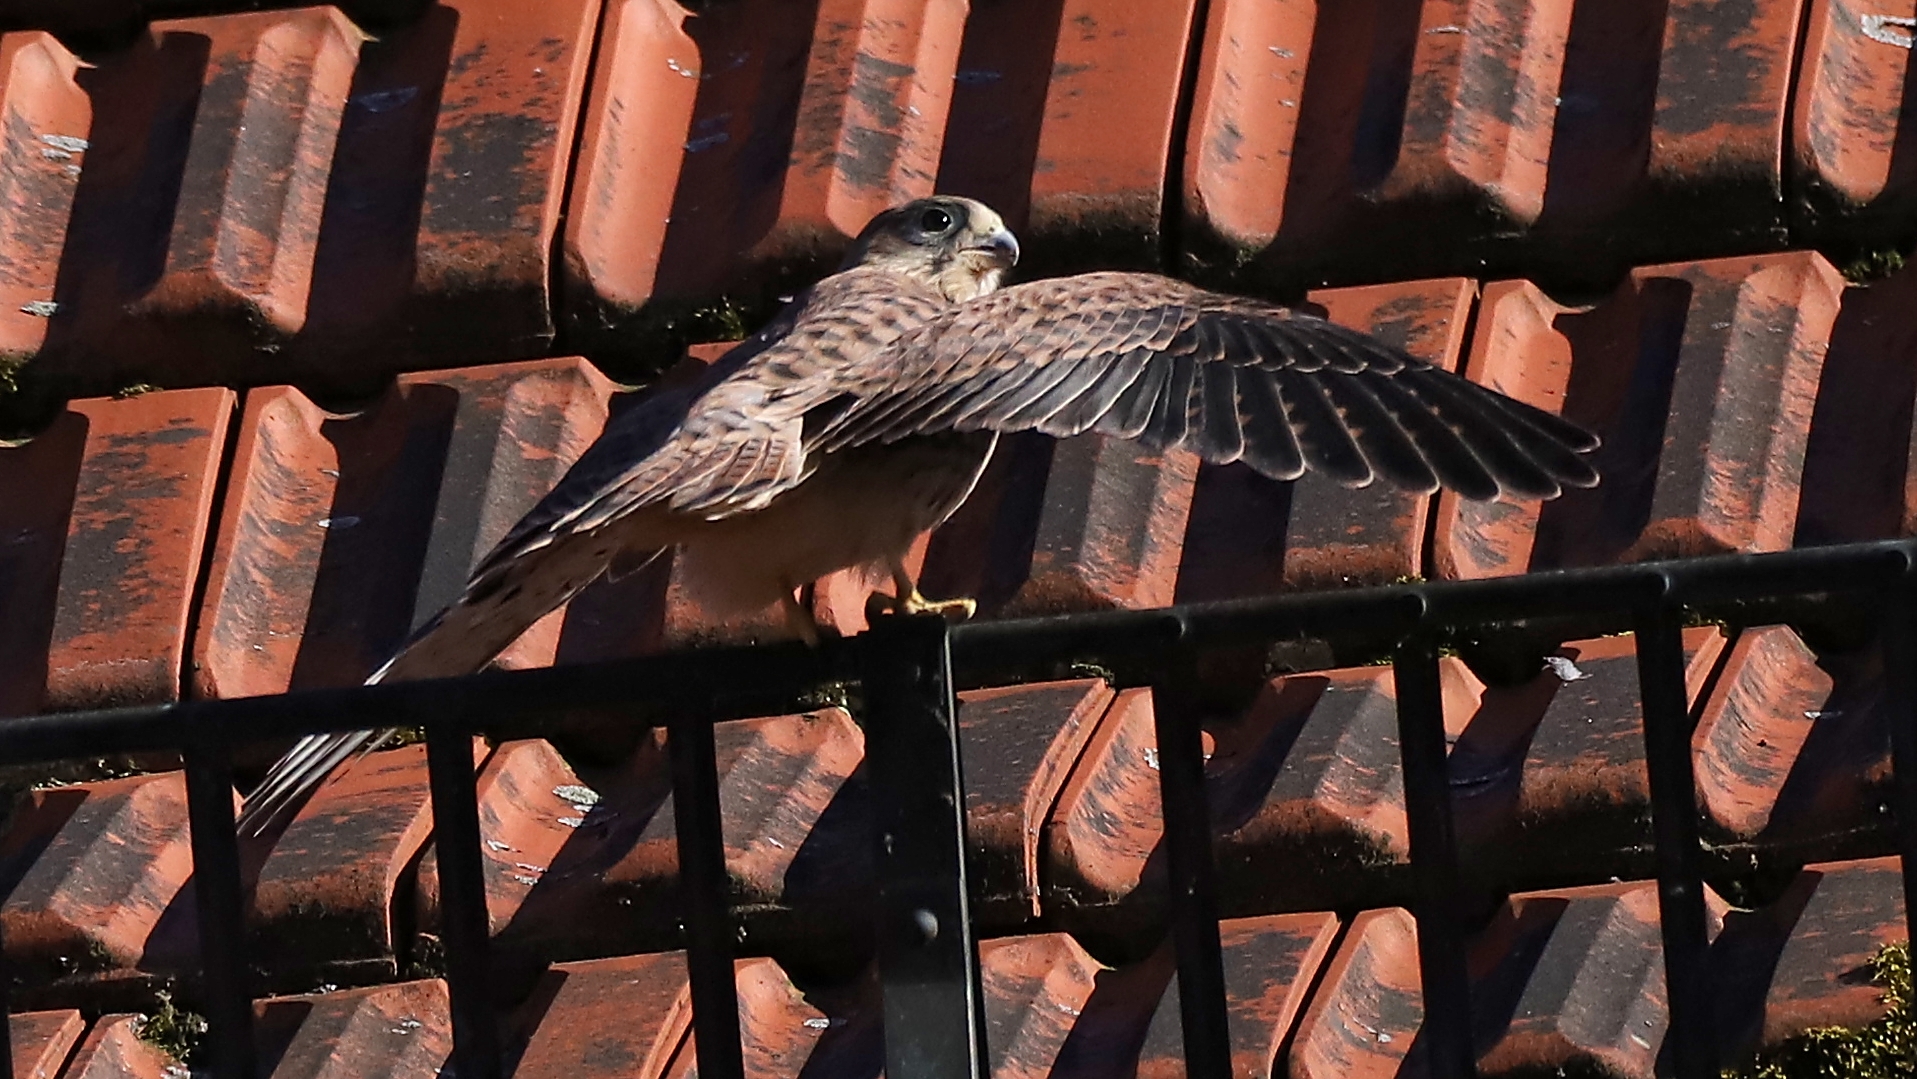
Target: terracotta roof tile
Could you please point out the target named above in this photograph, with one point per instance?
(1701, 377)
(113, 1050)
(1846, 181)
(340, 531)
(397, 1031)
(95, 900)
(1402, 141)
(1800, 962)
(323, 906)
(104, 515)
(42, 1040)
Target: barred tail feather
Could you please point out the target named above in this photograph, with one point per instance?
(462, 639)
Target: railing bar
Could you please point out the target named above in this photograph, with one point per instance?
(1680, 883)
(933, 1008)
(704, 896)
(464, 919)
(220, 905)
(761, 680)
(1193, 875)
(1434, 861)
(1900, 674)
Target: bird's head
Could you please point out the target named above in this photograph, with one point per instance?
(958, 246)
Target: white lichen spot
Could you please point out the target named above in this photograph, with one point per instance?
(55, 154)
(1828, 713)
(572, 822)
(71, 144)
(1281, 52)
(1151, 757)
(818, 1023)
(1446, 29)
(338, 522)
(498, 846)
(41, 308)
(1889, 29)
(576, 793)
(525, 880)
(1566, 670)
(678, 68)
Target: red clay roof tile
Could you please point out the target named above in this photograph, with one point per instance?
(105, 513)
(341, 531)
(1701, 377)
(1401, 141)
(383, 1032)
(113, 1050)
(42, 1040)
(95, 896)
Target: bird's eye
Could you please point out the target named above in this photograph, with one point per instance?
(935, 220)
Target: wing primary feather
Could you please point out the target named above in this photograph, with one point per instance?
(1392, 453)
(1458, 403)
(1130, 414)
(1559, 445)
(1270, 445)
(1450, 456)
(1322, 436)
(1171, 413)
(1220, 437)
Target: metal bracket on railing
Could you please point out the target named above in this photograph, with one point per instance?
(465, 925)
(1680, 876)
(220, 903)
(1899, 644)
(928, 960)
(704, 895)
(1192, 872)
(1434, 861)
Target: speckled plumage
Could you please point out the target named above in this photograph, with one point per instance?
(863, 414)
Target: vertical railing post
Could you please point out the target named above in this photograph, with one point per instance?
(220, 904)
(1193, 875)
(704, 895)
(1900, 716)
(465, 924)
(928, 961)
(1680, 878)
(1434, 861)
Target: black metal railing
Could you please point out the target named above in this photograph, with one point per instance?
(908, 670)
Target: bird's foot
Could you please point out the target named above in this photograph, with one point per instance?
(879, 604)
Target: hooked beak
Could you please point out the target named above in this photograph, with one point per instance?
(1002, 246)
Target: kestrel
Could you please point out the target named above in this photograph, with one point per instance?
(862, 415)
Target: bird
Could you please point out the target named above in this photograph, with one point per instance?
(863, 413)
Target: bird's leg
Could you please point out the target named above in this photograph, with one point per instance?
(798, 618)
(905, 599)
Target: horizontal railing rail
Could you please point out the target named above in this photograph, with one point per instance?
(907, 671)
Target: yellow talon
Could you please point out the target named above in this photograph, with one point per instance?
(879, 604)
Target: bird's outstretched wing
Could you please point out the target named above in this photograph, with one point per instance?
(728, 444)
(1146, 357)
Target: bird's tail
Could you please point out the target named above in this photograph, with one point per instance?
(460, 640)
